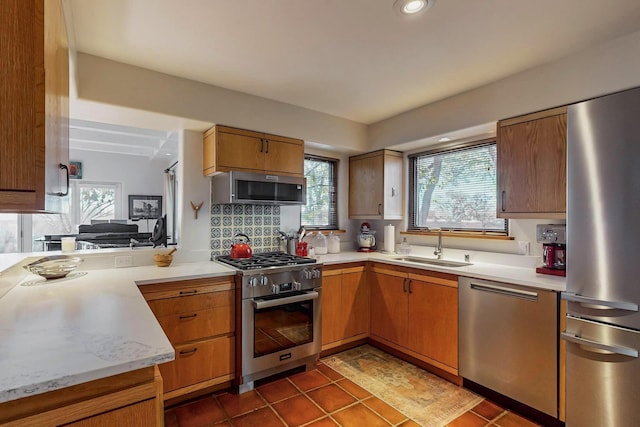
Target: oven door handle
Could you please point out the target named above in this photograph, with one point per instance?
(285, 300)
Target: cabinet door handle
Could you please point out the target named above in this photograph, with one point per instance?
(261, 145)
(393, 192)
(194, 291)
(410, 290)
(404, 285)
(188, 316)
(503, 201)
(185, 352)
(267, 150)
(66, 169)
(379, 208)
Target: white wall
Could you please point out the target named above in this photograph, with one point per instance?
(602, 69)
(109, 82)
(194, 234)
(138, 175)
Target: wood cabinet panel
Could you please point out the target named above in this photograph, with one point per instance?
(284, 157)
(433, 313)
(356, 301)
(198, 317)
(195, 325)
(389, 308)
(199, 361)
(240, 151)
(416, 312)
(34, 92)
(140, 414)
(345, 306)
(191, 303)
(331, 308)
(531, 164)
(226, 149)
(375, 185)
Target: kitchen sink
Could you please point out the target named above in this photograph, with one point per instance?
(432, 261)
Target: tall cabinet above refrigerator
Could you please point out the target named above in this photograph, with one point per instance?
(603, 274)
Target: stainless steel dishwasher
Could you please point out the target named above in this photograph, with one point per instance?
(509, 341)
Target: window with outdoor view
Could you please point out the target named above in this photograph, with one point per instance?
(455, 189)
(322, 198)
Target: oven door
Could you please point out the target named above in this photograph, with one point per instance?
(278, 330)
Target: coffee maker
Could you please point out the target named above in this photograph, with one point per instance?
(554, 248)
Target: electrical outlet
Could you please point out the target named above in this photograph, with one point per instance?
(124, 261)
(523, 248)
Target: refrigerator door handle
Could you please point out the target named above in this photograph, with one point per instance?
(599, 304)
(599, 347)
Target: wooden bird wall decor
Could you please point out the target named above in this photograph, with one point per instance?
(196, 208)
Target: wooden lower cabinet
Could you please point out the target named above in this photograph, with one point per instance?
(198, 362)
(345, 305)
(416, 312)
(130, 399)
(198, 317)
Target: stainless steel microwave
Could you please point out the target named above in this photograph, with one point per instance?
(256, 188)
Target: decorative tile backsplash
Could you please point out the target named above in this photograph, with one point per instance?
(260, 222)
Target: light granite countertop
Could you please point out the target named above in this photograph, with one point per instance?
(93, 325)
(97, 324)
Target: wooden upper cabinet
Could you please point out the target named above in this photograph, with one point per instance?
(34, 107)
(226, 149)
(375, 185)
(532, 158)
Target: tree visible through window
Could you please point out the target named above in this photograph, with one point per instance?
(321, 208)
(455, 190)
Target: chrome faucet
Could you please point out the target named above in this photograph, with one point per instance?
(438, 251)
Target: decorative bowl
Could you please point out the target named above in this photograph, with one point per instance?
(163, 260)
(54, 267)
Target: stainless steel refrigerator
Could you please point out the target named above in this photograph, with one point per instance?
(603, 262)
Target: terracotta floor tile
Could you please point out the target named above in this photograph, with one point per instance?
(333, 375)
(298, 410)
(264, 417)
(353, 388)
(323, 422)
(513, 420)
(201, 412)
(236, 404)
(331, 397)
(468, 419)
(277, 390)
(359, 415)
(487, 409)
(388, 413)
(308, 380)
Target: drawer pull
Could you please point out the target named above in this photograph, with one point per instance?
(185, 352)
(188, 316)
(194, 291)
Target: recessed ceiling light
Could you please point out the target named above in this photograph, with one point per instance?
(444, 139)
(411, 7)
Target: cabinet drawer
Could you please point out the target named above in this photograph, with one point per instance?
(187, 326)
(199, 361)
(190, 304)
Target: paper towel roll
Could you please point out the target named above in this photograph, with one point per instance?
(389, 238)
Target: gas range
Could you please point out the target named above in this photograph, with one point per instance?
(274, 273)
(265, 260)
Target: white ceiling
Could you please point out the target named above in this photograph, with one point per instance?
(132, 141)
(354, 59)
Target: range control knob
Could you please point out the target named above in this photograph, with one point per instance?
(253, 281)
(275, 289)
(264, 280)
(308, 274)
